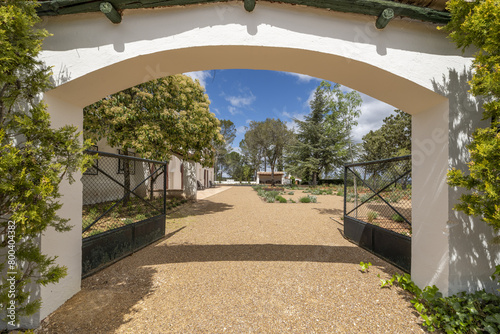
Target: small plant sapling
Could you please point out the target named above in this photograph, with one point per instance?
(365, 266)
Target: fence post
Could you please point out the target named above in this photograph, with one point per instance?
(345, 189)
(165, 188)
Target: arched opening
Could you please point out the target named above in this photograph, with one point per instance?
(398, 65)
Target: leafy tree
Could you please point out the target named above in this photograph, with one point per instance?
(276, 137)
(393, 139)
(477, 24)
(253, 146)
(157, 118)
(228, 132)
(34, 159)
(323, 139)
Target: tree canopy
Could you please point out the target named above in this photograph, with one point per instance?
(393, 139)
(477, 24)
(158, 118)
(265, 140)
(323, 140)
(222, 149)
(34, 159)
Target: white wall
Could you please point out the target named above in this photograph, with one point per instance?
(409, 65)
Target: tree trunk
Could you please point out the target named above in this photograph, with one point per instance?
(272, 175)
(315, 178)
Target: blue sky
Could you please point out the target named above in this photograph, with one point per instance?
(253, 95)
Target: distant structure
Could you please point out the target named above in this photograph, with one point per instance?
(266, 178)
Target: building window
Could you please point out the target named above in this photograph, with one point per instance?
(93, 170)
(131, 163)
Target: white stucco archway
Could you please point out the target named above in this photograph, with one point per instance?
(409, 64)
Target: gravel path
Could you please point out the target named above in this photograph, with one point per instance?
(234, 264)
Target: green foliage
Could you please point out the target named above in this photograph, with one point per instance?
(365, 266)
(265, 140)
(476, 312)
(397, 218)
(281, 199)
(158, 118)
(308, 199)
(222, 148)
(371, 216)
(34, 159)
(291, 193)
(305, 199)
(323, 138)
(477, 24)
(393, 139)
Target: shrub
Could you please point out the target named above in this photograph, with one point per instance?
(395, 196)
(397, 218)
(308, 199)
(140, 217)
(292, 201)
(281, 199)
(270, 199)
(305, 199)
(291, 193)
(476, 312)
(372, 216)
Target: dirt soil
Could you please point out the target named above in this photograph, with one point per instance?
(232, 263)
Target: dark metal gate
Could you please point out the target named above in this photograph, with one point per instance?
(377, 208)
(124, 207)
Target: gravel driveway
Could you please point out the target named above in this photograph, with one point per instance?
(234, 264)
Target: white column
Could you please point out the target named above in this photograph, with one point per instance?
(430, 203)
(190, 186)
(67, 246)
(449, 249)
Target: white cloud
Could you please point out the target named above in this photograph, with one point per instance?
(233, 111)
(201, 76)
(241, 101)
(307, 103)
(241, 130)
(372, 115)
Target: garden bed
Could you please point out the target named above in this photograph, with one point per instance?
(122, 215)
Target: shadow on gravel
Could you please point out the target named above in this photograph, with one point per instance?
(330, 212)
(164, 254)
(108, 299)
(200, 208)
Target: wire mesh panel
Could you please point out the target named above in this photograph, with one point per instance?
(379, 193)
(121, 190)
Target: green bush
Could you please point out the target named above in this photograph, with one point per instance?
(477, 312)
(305, 199)
(281, 199)
(365, 197)
(395, 196)
(291, 193)
(308, 199)
(372, 216)
(397, 218)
